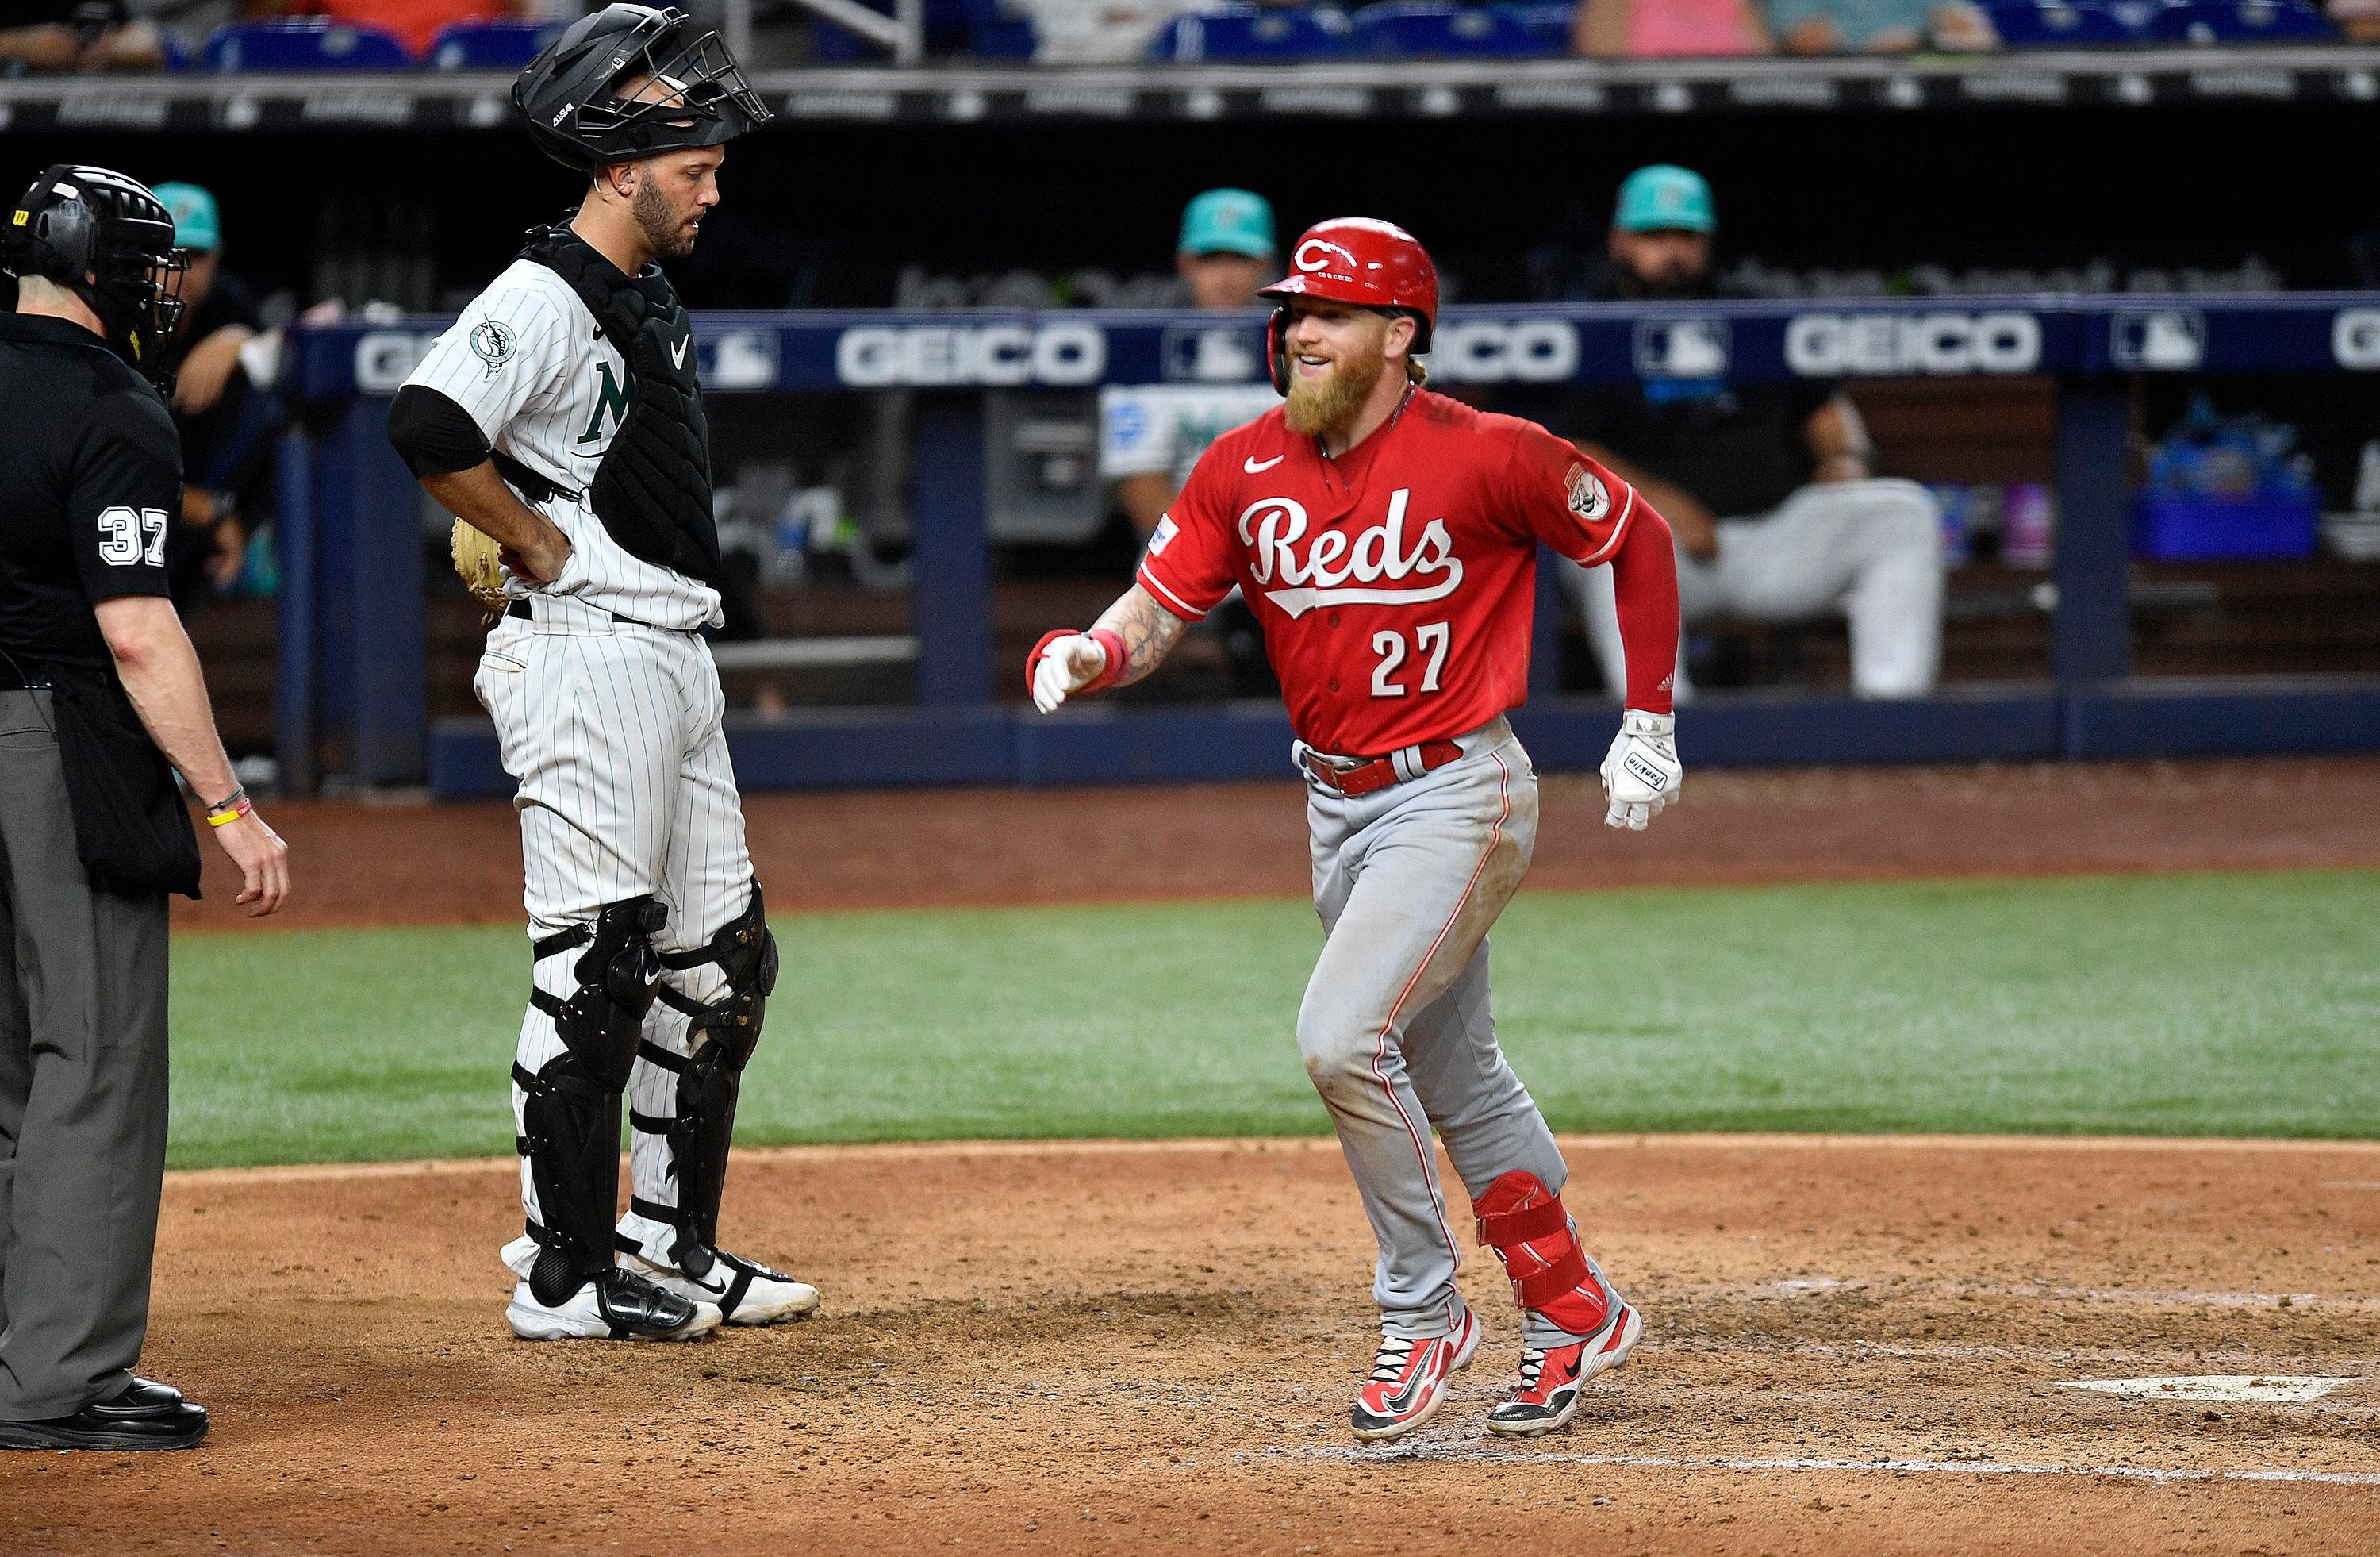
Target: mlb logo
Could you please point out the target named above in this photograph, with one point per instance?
(1682, 348)
(1211, 354)
(1164, 536)
(2158, 340)
(745, 359)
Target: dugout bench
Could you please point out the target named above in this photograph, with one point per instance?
(351, 678)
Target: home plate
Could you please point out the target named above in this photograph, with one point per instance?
(2215, 1386)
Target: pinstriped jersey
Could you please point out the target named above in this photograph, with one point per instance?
(528, 363)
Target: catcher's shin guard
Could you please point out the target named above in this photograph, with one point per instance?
(571, 1121)
(1523, 1223)
(710, 1077)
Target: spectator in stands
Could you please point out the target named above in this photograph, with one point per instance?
(1667, 28)
(1096, 31)
(1770, 489)
(414, 22)
(1150, 435)
(79, 35)
(1836, 27)
(2358, 20)
(225, 419)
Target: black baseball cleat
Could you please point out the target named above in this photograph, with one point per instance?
(147, 1415)
(616, 1306)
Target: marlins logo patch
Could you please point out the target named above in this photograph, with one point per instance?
(492, 344)
(1588, 499)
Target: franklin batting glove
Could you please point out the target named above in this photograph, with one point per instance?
(1641, 773)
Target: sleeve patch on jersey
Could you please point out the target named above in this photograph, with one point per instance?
(1588, 498)
(492, 344)
(1166, 530)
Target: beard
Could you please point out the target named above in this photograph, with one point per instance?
(664, 226)
(1317, 407)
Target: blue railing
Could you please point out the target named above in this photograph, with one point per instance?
(352, 661)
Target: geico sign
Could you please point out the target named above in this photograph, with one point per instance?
(922, 356)
(1831, 344)
(1504, 350)
(2355, 337)
(385, 358)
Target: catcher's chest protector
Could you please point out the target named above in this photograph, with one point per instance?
(652, 488)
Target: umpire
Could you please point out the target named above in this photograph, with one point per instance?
(99, 692)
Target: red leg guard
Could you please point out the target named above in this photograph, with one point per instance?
(1525, 1223)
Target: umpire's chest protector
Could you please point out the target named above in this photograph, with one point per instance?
(652, 489)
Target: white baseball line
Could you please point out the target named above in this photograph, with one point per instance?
(1468, 1451)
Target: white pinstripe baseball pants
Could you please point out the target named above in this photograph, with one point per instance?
(1397, 1028)
(614, 732)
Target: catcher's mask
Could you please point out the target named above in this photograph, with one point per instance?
(108, 240)
(576, 114)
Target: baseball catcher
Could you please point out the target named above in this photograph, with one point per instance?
(560, 420)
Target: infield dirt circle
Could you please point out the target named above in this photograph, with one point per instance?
(1852, 1344)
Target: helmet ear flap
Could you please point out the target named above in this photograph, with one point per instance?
(1277, 348)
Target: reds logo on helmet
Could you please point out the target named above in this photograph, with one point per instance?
(1366, 262)
(1357, 260)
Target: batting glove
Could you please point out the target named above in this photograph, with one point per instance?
(1066, 662)
(1641, 773)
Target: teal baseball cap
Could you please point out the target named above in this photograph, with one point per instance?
(197, 223)
(1665, 197)
(1228, 222)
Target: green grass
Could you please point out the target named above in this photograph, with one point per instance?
(2220, 1005)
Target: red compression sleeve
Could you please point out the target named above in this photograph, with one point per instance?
(1645, 578)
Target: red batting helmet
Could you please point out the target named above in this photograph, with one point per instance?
(1360, 261)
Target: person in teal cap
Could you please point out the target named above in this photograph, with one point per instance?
(1772, 491)
(222, 453)
(1226, 249)
(1150, 434)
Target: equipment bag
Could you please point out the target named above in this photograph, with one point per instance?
(132, 828)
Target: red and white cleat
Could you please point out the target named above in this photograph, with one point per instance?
(1409, 1378)
(1553, 1381)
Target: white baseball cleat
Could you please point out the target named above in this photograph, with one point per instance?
(743, 1292)
(616, 1306)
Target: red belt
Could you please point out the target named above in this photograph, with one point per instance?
(1366, 778)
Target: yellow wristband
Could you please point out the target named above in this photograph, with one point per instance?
(224, 819)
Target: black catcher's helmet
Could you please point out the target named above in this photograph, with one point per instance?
(110, 241)
(575, 116)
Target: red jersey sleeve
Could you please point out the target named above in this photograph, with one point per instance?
(1188, 564)
(1567, 499)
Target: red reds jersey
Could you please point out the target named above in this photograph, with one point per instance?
(1395, 585)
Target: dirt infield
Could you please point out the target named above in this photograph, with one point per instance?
(1852, 1346)
(395, 863)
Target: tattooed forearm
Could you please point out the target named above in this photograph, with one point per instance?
(1148, 631)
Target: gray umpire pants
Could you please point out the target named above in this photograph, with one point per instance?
(82, 1094)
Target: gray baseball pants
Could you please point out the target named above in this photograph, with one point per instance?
(1397, 1028)
(82, 1094)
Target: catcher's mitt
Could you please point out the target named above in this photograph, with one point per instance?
(476, 560)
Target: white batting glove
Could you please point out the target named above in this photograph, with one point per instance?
(1641, 773)
(1066, 664)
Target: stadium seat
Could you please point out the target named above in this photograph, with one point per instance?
(488, 46)
(2057, 24)
(2238, 22)
(994, 32)
(1249, 32)
(1419, 29)
(303, 44)
(1550, 21)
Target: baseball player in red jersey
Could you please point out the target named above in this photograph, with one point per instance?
(1386, 539)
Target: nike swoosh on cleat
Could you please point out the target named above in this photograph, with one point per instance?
(1255, 467)
(677, 352)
